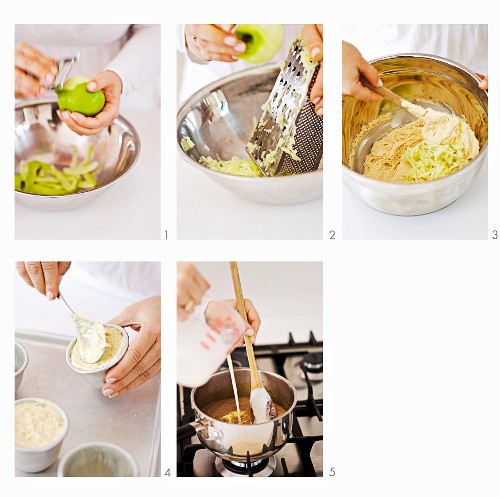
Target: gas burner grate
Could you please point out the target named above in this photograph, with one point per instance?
(309, 408)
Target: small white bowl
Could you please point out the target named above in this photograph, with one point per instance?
(97, 459)
(96, 378)
(40, 458)
(22, 359)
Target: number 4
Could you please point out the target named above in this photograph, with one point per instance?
(167, 473)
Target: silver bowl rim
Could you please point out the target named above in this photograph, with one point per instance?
(25, 361)
(104, 368)
(398, 186)
(128, 456)
(245, 427)
(64, 416)
(120, 118)
(181, 113)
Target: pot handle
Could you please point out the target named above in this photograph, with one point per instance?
(190, 430)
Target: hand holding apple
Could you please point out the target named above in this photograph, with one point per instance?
(89, 123)
(213, 42)
(253, 43)
(312, 34)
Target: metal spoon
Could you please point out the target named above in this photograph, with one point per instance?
(91, 338)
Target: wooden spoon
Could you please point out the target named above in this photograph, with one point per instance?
(262, 401)
(416, 110)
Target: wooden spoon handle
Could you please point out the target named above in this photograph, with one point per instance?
(255, 381)
(383, 91)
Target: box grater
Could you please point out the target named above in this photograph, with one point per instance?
(288, 138)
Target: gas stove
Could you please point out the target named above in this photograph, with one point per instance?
(302, 364)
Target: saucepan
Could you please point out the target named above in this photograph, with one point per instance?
(235, 442)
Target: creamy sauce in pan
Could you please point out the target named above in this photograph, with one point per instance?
(225, 410)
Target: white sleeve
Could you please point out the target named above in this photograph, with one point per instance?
(139, 59)
(181, 38)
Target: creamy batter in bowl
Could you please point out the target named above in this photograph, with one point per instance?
(41, 426)
(98, 459)
(430, 81)
(94, 374)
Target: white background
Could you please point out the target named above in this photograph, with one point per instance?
(412, 329)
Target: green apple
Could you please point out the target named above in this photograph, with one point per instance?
(75, 97)
(263, 41)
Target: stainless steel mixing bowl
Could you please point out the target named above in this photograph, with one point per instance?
(220, 119)
(423, 79)
(40, 134)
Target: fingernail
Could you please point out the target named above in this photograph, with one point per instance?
(49, 77)
(114, 395)
(53, 70)
(107, 392)
(50, 295)
(320, 112)
(316, 100)
(380, 83)
(73, 116)
(111, 380)
(66, 114)
(250, 333)
(234, 58)
(230, 41)
(315, 51)
(91, 86)
(240, 47)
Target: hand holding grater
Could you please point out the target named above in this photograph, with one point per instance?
(64, 66)
(288, 138)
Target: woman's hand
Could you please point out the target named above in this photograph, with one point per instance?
(353, 66)
(484, 81)
(111, 84)
(313, 38)
(33, 69)
(191, 286)
(253, 318)
(213, 42)
(142, 360)
(44, 276)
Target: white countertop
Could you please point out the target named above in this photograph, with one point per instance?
(128, 210)
(464, 219)
(206, 210)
